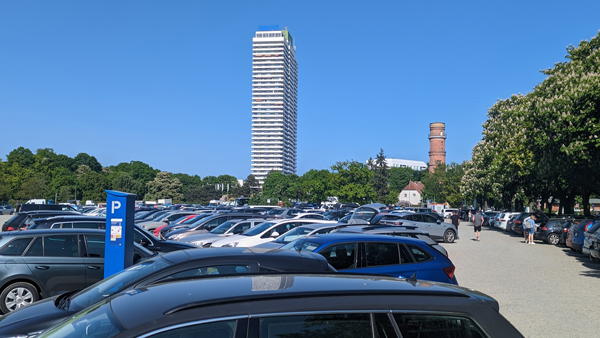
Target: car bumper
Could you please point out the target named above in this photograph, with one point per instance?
(595, 252)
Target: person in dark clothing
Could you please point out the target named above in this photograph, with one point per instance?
(477, 222)
(456, 222)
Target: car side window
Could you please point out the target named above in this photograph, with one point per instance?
(62, 225)
(317, 325)
(420, 325)
(341, 256)
(379, 254)
(419, 254)
(223, 329)
(36, 249)
(94, 245)
(418, 218)
(429, 219)
(61, 246)
(241, 227)
(15, 247)
(405, 257)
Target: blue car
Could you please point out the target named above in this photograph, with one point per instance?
(400, 257)
(578, 234)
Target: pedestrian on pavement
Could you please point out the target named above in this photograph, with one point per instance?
(532, 220)
(456, 222)
(477, 222)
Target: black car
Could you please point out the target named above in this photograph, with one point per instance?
(140, 236)
(26, 217)
(335, 215)
(517, 225)
(186, 264)
(43, 263)
(292, 305)
(552, 231)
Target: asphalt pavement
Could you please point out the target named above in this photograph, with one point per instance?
(543, 290)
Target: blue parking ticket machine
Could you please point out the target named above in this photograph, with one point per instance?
(118, 244)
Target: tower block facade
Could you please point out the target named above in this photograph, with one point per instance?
(437, 144)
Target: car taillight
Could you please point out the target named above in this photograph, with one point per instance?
(449, 271)
(566, 230)
(543, 228)
(10, 229)
(397, 223)
(517, 222)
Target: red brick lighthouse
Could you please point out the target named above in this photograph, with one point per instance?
(437, 144)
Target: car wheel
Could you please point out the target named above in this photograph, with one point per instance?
(18, 295)
(553, 239)
(449, 236)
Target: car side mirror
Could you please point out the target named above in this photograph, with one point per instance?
(439, 222)
(143, 243)
(275, 234)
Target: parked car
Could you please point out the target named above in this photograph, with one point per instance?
(6, 210)
(198, 219)
(203, 226)
(595, 246)
(551, 232)
(437, 230)
(587, 241)
(310, 215)
(335, 215)
(394, 231)
(283, 212)
(517, 226)
(265, 232)
(300, 232)
(229, 228)
(576, 235)
(448, 212)
(38, 264)
(292, 305)
(22, 219)
(187, 264)
(165, 219)
(401, 257)
(503, 218)
(141, 235)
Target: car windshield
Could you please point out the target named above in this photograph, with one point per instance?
(192, 219)
(221, 229)
(293, 235)
(198, 220)
(301, 245)
(155, 215)
(116, 283)
(161, 217)
(276, 212)
(257, 230)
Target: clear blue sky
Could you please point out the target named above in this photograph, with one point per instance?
(169, 82)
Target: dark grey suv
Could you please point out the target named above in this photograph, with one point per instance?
(292, 305)
(43, 263)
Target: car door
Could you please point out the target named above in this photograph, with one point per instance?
(435, 230)
(56, 262)
(388, 258)
(94, 258)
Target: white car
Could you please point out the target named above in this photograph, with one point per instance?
(265, 232)
(503, 219)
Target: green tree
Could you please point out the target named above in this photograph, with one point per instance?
(164, 186)
(351, 182)
(124, 182)
(90, 161)
(93, 186)
(381, 174)
(33, 187)
(316, 185)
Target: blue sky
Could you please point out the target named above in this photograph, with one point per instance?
(169, 82)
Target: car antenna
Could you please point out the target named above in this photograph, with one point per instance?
(412, 278)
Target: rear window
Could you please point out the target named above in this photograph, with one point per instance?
(426, 325)
(419, 254)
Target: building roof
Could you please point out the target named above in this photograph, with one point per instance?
(418, 186)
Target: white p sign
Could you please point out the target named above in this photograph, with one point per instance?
(115, 205)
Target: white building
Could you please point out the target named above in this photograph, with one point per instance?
(274, 102)
(398, 163)
(412, 192)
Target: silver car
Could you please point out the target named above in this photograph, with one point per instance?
(229, 228)
(437, 229)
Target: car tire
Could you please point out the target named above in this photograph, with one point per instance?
(18, 295)
(553, 239)
(449, 236)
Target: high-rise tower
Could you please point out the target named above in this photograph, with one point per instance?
(437, 144)
(274, 102)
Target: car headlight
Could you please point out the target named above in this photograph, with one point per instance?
(197, 243)
(231, 245)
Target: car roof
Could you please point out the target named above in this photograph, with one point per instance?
(164, 300)
(340, 237)
(41, 232)
(315, 226)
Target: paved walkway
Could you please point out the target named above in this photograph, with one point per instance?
(543, 290)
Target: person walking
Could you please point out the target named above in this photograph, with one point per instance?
(532, 220)
(477, 222)
(456, 222)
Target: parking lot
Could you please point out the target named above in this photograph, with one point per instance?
(543, 290)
